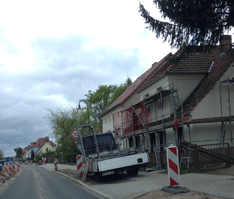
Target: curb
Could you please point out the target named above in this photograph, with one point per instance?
(82, 184)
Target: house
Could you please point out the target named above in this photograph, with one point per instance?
(45, 148)
(35, 146)
(26, 152)
(187, 95)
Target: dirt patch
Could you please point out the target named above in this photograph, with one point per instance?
(162, 194)
(112, 179)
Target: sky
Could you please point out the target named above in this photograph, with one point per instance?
(53, 52)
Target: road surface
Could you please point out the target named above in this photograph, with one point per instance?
(38, 183)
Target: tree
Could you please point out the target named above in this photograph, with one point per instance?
(99, 99)
(119, 90)
(32, 155)
(1, 155)
(62, 122)
(102, 98)
(18, 152)
(191, 22)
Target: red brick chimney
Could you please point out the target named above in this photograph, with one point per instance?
(225, 43)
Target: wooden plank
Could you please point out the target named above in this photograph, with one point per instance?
(89, 161)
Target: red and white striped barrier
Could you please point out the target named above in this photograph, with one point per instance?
(14, 167)
(18, 166)
(6, 169)
(79, 163)
(55, 164)
(173, 165)
(11, 171)
(3, 176)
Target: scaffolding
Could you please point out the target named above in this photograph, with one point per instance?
(229, 82)
(151, 117)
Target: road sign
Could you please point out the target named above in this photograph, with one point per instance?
(75, 134)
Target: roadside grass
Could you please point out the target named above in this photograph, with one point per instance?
(216, 172)
(72, 164)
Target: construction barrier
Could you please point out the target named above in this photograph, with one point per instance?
(6, 169)
(173, 165)
(3, 176)
(18, 166)
(55, 164)
(14, 167)
(11, 171)
(79, 163)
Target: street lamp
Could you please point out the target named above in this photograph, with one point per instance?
(85, 101)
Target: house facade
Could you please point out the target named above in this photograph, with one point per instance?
(45, 148)
(185, 96)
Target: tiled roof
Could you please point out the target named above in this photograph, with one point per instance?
(42, 141)
(183, 63)
(221, 64)
(135, 85)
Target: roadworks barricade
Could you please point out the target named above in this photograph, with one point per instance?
(9, 170)
(79, 165)
(55, 164)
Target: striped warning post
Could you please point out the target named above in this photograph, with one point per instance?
(11, 169)
(55, 164)
(3, 176)
(173, 165)
(6, 169)
(14, 167)
(79, 163)
(18, 167)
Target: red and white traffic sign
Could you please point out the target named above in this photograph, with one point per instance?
(173, 165)
(75, 134)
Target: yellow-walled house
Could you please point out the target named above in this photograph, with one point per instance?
(45, 148)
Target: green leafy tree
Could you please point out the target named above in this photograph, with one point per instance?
(18, 152)
(32, 155)
(99, 99)
(1, 155)
(62, 122)
(119, 90)
(191, 22)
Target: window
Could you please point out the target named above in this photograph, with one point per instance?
(46, 149)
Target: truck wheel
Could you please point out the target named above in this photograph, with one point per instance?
(98, 177)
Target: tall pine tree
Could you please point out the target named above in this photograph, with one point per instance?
(191, 22)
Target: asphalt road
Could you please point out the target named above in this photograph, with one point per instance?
(38, 183)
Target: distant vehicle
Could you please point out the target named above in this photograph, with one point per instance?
(107, 158)
(9, 159)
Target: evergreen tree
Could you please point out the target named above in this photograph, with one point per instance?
(191, 22)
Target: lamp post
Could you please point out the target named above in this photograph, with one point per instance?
(85, 101)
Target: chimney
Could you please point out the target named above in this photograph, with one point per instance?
(47, 139)
(225, 43)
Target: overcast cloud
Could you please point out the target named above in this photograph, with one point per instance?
(53, 52)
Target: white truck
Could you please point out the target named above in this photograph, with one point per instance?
(107, 157)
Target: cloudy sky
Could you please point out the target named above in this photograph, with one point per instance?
(53, 52)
